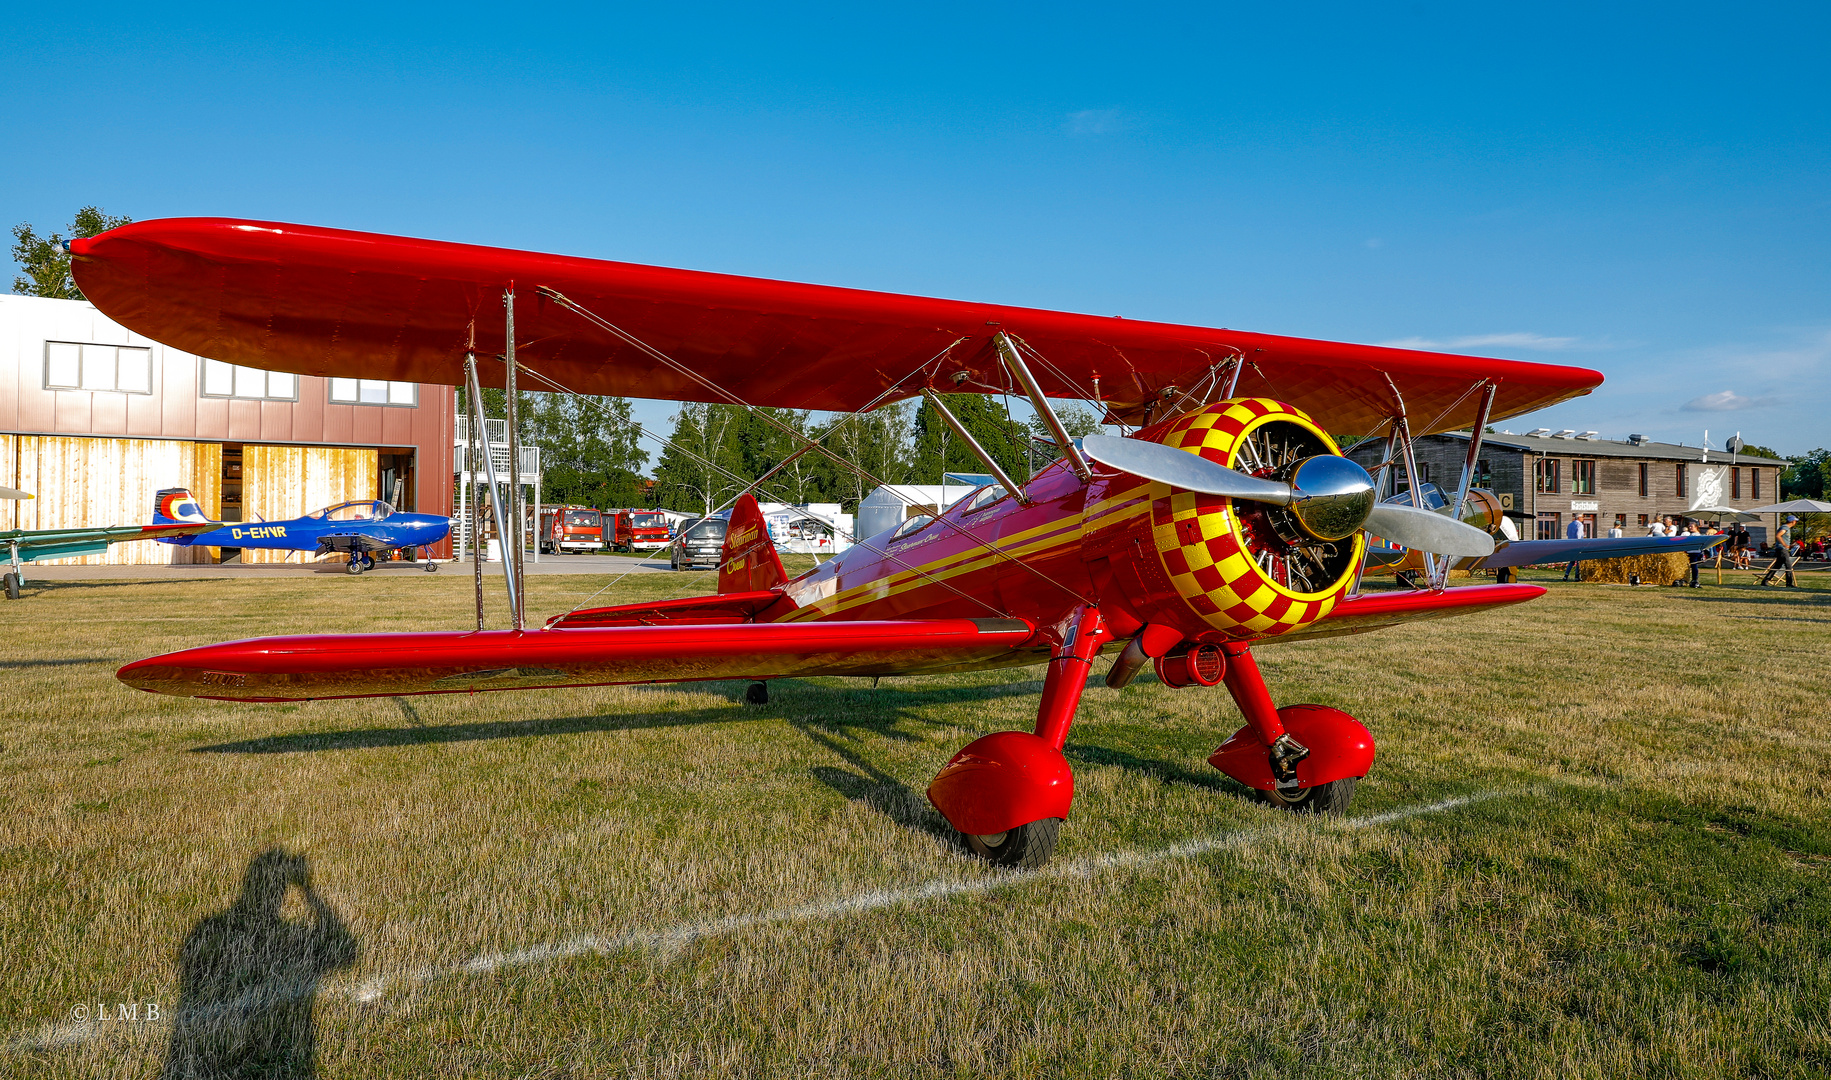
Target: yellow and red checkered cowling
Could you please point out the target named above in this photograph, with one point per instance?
(1199, 538)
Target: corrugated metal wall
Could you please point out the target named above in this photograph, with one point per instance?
(83, 483)
(280, 482)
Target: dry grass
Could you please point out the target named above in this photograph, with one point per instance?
(762, 891)
(1650, 569)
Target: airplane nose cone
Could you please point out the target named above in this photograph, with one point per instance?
(1331, 496)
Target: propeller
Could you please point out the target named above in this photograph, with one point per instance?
(1330, 495)
(14, 493)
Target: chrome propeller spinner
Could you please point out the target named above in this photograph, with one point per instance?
(1330, 495)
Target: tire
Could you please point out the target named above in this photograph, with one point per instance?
(1026, 847)
(368, 561)
(352, 568)
(12, 585)
(1330, 798)
(431, 567)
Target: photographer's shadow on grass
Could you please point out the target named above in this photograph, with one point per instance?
(248, 979)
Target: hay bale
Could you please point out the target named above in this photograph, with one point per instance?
(1652, 569)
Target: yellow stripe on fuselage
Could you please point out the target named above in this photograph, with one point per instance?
(959, 563)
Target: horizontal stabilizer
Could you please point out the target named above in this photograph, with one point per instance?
(304, 668)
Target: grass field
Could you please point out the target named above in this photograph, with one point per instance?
(1595, 843)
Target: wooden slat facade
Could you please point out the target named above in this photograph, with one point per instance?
(286, 481)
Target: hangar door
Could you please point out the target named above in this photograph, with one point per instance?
(88, 482)
(280, 482)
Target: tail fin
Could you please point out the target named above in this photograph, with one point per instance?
(174, 505)
(749, 562)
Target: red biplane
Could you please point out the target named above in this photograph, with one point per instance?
(1229, 518)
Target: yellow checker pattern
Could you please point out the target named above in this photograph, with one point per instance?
(1199, 540)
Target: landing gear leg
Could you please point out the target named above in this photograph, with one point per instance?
(1265, 755)
(1008, 793)
(355, 566)
(15, 580)
(426, 557)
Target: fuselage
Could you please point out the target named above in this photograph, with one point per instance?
(397, 530)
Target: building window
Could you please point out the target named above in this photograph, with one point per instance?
(1484, 474)
(1643, 482)
(1549, 526)
(1681, 478)
(374, 392)
(236, 381)
(1546, 472)
(120, 369)
(1754, 483)
(1583, 477)
(1735, 483)
(1621, 521)
(1643, 517)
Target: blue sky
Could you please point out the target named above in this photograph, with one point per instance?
(1642, 190)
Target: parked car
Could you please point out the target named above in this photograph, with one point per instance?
(702, 542)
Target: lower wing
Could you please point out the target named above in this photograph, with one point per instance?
(354, 542)
(305, 668)
(1377, 611)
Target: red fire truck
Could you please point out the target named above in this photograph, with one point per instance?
(639, 530)
(570, 528)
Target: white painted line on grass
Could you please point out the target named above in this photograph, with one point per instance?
(369, 990)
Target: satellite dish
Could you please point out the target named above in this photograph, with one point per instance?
(1734, 445)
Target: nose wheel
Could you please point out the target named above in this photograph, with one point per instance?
(359, 562)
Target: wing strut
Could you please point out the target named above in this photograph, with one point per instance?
(489, 465)
(1008, 352)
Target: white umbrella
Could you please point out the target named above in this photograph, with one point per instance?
(1722, 511)
(1795, 506)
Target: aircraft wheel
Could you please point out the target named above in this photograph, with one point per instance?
(12, 585)
(368, 562)
(352, 568)
(431, 567)
(1330, 798)
(1025, 847)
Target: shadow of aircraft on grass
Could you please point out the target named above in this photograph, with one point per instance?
(879, 715)
(248, 979)
(58, 663)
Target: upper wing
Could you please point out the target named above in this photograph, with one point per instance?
(384, 665)
(1534, 552)
(357, 305)
(63, 543)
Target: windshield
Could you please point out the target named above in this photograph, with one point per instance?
(648, 521)
(367, 510)
(707, 529)
(582, 517)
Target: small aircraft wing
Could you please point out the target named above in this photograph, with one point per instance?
(333, 303)
(63, 543)
(306, 668)
(355, 541)
(1534, 552)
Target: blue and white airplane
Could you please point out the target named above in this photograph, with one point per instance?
(359, 528)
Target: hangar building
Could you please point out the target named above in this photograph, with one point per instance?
(94, 419)
(1557, 476)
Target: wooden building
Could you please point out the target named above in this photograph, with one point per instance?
(1557, 476)
(94, 419)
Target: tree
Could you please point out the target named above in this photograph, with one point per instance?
(1760, 451)
(590, 454)
(46, 264)
(937, 450)
(692, 473)
(1078, 420)
(877, 442)
(1808, 477)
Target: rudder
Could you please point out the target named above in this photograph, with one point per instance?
(172, 506)
(749, 562)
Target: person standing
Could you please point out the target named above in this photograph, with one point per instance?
(1658, 528)
(1615, 533)
(1783, 554)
